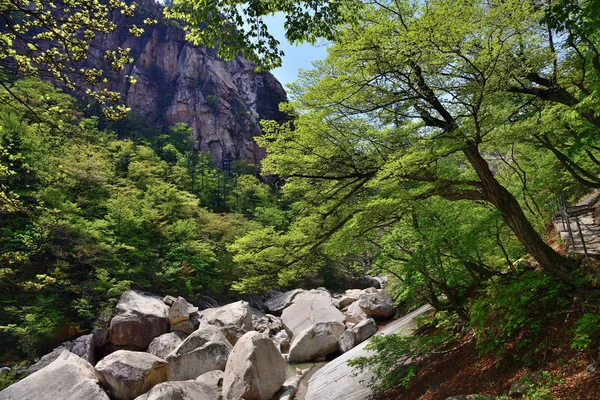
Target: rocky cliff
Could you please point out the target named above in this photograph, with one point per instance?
(222, 102)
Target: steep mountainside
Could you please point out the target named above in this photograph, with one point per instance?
(179, 82)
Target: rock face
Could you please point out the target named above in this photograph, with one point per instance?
(128, 374)
(83, 346)
(140, 318)
(316, 341)
(185, 390)
(255, 369)
(204, 350)
(234, 319)
(69, 377)
(163, 345)
(354, 313)
(377, 305)
(357, 334)
(178, 82)
(336, 381)
(276, 304)
(308, 309)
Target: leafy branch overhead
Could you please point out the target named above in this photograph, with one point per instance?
(51, 39)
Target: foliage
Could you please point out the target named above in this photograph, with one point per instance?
(517, 308)
(87, 215)
(51, 39)
(586, 332)
(389, 362)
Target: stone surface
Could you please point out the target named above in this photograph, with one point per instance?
(255, 369)
(336, 380)
(354, 313)
(523, 384)
(234, 319)
(308, 309)
(221, 101)
(128, 374)
(377, 305)
(364, 329)
(163, 345)
(83, 347)
(204, 350)
(100, 336)
(182, 390)
(347, 341)
(169, 300)
(68, 377)
(316, 341)
(349, 297)
(214, 379)
(140, 318)
(180, 311)
(278, 302)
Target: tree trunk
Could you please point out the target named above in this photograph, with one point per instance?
(558, 266)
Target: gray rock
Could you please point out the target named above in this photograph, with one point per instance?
(234, 315)
(68, 377)
(214, 379)
(316, 341)
(347, 341)
(337, 380)
(255, 369)
(354, 313)
(204, 350)
(377, 305)
(140, 318)
(308, 309)
(349, 297)
(163, 345)
(364, 329)
(169, 300)
(180, 311)
(182, 390)
(100, 336)
(276, 304)
(83, 347)
(128, 374)
(186, 327)
(523, 384)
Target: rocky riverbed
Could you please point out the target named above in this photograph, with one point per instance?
(163, 348)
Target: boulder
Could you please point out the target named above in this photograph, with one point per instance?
(128, 374)
(163, 345)
(140, 318)
(277, 303)
(180, 311)
(310, 308)
(83, 347)
(358, 333)
(234, 316)
(186, 327)
(266, 323)
(169, 300)
(316, 341)
(68, 377)
(182, 390)
(204, 350)
(354, 313)
(100, 336)
(214, 379)
(523, 384)
(377, 305)
(349, 297)
(255, 369)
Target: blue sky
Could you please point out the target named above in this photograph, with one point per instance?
(296, 57)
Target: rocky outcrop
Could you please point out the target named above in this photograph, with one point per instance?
(177, 81)
(277, 303)
(68, 377)
(337, 380)
(164, 345)
(308, 309)
(377, 305)
(255, 369)
(128, 374)
(234, 319)
(357, 334)
(140, 318)
(204, 350)
(183, 390)
(316, 341)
